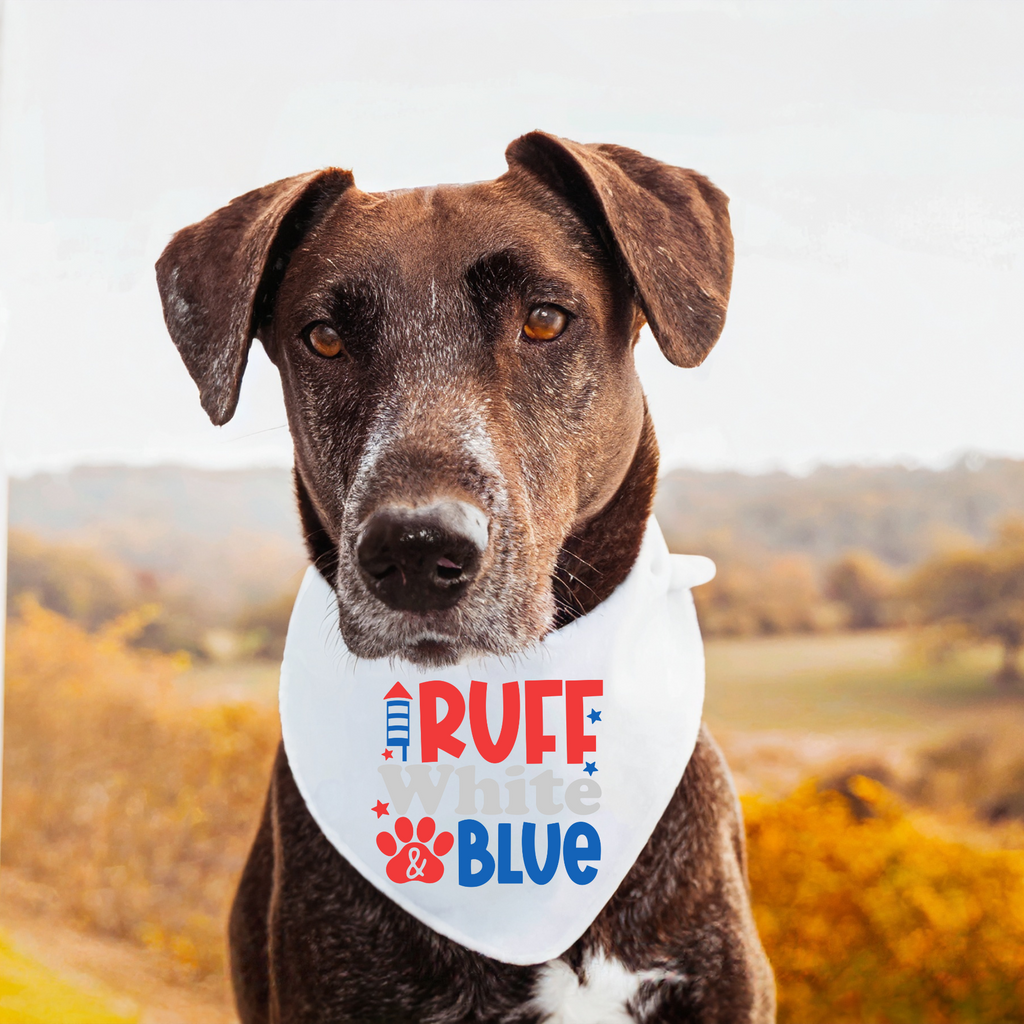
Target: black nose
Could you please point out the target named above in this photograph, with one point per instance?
(418, 559)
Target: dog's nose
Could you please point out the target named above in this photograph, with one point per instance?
(418, 559)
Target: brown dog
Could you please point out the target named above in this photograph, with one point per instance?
(474, 466)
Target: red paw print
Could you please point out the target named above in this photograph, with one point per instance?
(414, 862)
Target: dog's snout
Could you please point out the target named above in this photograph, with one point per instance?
(419, 559)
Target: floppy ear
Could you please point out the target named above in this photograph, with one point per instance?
(217, 278)
(668, 227)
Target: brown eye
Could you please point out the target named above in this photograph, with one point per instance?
(545, 323)
(325, 341)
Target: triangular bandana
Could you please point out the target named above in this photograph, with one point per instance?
(501, 801)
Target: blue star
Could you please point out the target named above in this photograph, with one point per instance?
(594, 716)
(591, 767)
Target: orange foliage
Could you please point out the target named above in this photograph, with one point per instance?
(748, 598)
(137, 808)
(876, 922)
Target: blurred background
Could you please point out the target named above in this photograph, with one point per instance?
(851, 455)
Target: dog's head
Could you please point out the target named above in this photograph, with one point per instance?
(457, 366)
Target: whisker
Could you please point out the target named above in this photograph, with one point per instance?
(254, 433)
(562, 569)
(593, 568)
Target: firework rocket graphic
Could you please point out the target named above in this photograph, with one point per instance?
(397, 704)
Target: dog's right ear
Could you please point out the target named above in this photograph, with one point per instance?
(667, 226)
(217, 278)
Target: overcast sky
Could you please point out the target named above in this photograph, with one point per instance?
(874, 154)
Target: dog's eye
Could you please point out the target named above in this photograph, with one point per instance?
(545, 323)
(324, 340)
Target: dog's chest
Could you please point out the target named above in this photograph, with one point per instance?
(604, 992)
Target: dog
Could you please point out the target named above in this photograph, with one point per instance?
(474, 467)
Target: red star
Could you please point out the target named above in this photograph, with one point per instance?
(387, 755)
(380, 809)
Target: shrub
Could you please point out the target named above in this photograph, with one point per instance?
(875, 921)
(135, 806)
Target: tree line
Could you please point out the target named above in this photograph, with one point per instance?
(962, 595)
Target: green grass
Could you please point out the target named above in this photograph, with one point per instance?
(824, 683)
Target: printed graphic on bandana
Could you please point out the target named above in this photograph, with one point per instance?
(414, 862)
(488, 784)
(501, 801)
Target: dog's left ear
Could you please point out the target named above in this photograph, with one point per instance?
(217, 278)
(668, 227)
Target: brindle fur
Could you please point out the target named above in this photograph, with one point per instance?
(437, 396)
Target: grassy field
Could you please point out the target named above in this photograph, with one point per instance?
(212, 683)
(787, 707)
(826, 682)
(32, 994)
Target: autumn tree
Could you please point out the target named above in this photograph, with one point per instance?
(78, 583)
(864, 586)
(977, 595)
(763, 597)
(91, 588)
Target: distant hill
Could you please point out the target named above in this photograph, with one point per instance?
(898, 514)
(232, 536)
(200, 502)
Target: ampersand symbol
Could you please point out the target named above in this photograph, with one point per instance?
(415, 868)
(415, 861)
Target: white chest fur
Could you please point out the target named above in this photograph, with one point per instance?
(607, 993)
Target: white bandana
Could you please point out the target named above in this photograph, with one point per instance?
(501, 801)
